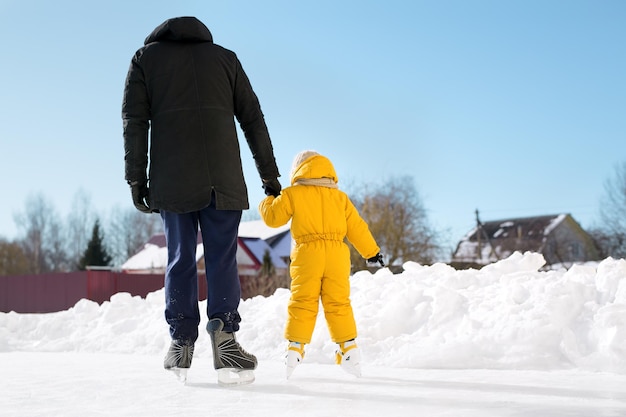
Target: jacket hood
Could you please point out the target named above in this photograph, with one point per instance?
(316, 166)
(180, 29)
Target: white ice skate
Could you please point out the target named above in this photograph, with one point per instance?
(295, 354)
(348, 356)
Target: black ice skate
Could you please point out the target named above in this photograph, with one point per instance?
(234, 365)
(178, 359)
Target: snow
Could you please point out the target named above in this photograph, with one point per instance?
(506, 340)
(258, 228)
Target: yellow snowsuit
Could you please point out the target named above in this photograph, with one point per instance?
(322, 217)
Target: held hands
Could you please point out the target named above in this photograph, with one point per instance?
(376, 259)
(139, 193)
(272, 187)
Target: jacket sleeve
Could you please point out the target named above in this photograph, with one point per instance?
(276, 211)
(252, 122)
(359, 234)
(136, 122)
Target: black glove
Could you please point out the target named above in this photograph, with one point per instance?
(376, 259)
(139, 192)
(272, 187)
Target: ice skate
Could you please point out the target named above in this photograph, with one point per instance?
(295, 354)
(178, 359)
(234, 365)
(348, 356)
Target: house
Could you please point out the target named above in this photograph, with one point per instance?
(257, 245)
(279, 239)
(559, 238)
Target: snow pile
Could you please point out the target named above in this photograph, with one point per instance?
(508, 315)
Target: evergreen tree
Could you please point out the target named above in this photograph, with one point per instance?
(96, 253)
(267, 268)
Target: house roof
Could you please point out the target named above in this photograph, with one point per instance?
(534, 228)
(494, 239)
(258, 247)
(151, 257)
(258, 228)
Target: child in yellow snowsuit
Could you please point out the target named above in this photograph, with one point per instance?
(321, 217)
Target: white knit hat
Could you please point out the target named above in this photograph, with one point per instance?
(300, 158)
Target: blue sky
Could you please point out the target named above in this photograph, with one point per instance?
(515, 108)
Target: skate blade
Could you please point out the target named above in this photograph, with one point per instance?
(229, 377)
(351, 366)
(180, 374)
(352, 369)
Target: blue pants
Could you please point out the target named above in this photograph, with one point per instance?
(219, 230)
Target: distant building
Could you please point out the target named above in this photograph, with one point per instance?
(559, 238)
(256, 244)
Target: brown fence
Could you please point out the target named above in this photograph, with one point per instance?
(47, 293)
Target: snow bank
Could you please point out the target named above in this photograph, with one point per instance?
(508, 315)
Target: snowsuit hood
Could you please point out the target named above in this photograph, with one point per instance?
(316, 166)
(180, 29)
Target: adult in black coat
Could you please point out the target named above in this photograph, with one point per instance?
(185, 92)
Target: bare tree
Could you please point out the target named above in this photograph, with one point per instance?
(611, 235)
(57, 258)
(128, 230)
(51, 246)
(40, 225)
(79, 226)
(397, 219)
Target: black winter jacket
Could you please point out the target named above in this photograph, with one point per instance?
(186, 91)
